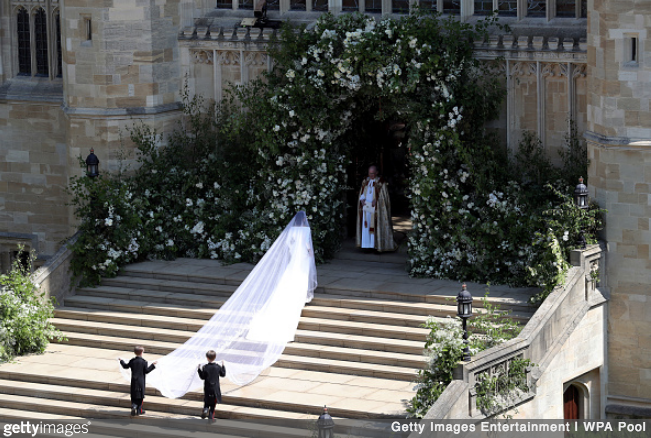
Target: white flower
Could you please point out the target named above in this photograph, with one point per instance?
(291, 113)
(200, 185)
(198, 229)
(170, 242)
(320, 73)
(108, 222)
(280, 161)
(159, 229)
(412, 43)
(276, 128)
(291, 74)
(566, 236)
(188, 202)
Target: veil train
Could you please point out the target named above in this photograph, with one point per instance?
(249, 332)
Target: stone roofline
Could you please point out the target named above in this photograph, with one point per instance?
(558, 37)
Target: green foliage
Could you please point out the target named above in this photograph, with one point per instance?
(501, 390)
(24, 314)
(444, 350)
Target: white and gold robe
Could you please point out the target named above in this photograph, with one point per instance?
(374, 226)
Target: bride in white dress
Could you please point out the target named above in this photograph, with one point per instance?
(278, 319)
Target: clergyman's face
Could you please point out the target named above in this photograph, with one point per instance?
(372, 172)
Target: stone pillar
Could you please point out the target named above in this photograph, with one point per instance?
(120, 64)
(619, 147)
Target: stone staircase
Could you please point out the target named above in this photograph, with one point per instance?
(357, 350)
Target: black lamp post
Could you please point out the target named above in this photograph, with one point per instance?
(464, 311)
(92, 164)
(325, 425)
(581, 199)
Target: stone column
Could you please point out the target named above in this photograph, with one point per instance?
(619, 147)
(127, 70)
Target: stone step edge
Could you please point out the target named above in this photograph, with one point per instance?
(92, 411)
(322, 299)
(293, 349)
(326, 289)
(325, 325)
(326, 312)
(155, 403)
(304, 336)
(285, 361)
(248, 408)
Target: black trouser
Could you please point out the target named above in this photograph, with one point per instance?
(209, 403)
(136, 403)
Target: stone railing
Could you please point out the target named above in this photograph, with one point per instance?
(539, 341)
(54, 277)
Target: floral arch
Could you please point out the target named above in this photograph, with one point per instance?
(229, 179)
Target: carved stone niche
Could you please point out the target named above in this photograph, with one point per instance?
(203, 56)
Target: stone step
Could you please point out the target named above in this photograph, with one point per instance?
(285, 360)
(312, 324)
(133, 282)
(295, 348)
(310, 310)
(303, 336)
(236, 404)
(392, 287)
(106, 405)
(436, 305)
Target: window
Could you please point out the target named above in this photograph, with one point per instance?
(632, 50)
(319, 5)
(24, 50)
(297, 5)
(59, 66)
(88, 28)
(566, 8)
(40, 34)
(483, 7)
(38, 42)
(372, 6)
(452, 7)
(536, 8)
(400, 6)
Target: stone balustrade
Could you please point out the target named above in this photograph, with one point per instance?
(545, 335)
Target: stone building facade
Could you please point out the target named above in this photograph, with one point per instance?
(76, 75)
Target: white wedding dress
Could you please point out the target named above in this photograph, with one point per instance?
(251, 329)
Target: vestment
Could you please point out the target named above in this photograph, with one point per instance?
(374, 226)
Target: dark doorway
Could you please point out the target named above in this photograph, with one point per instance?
(571, 403)
(383, 144)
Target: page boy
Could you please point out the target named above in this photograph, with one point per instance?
(210, 373)
(139, 369)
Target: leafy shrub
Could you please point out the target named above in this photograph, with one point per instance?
(444, 350)
(24, 314)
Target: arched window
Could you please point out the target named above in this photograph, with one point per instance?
(40, 36)
(59, 64)
(24, 50)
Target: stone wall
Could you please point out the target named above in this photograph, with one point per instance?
(34, 172)
(619, 147)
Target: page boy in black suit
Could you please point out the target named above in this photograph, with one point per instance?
(212, 394)
(139, 369)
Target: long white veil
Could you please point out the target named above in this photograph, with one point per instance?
(251, 329)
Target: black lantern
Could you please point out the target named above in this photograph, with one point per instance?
(464, 311)
(581, 199)
(92, 164)
(581, 195)
(325, 425)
